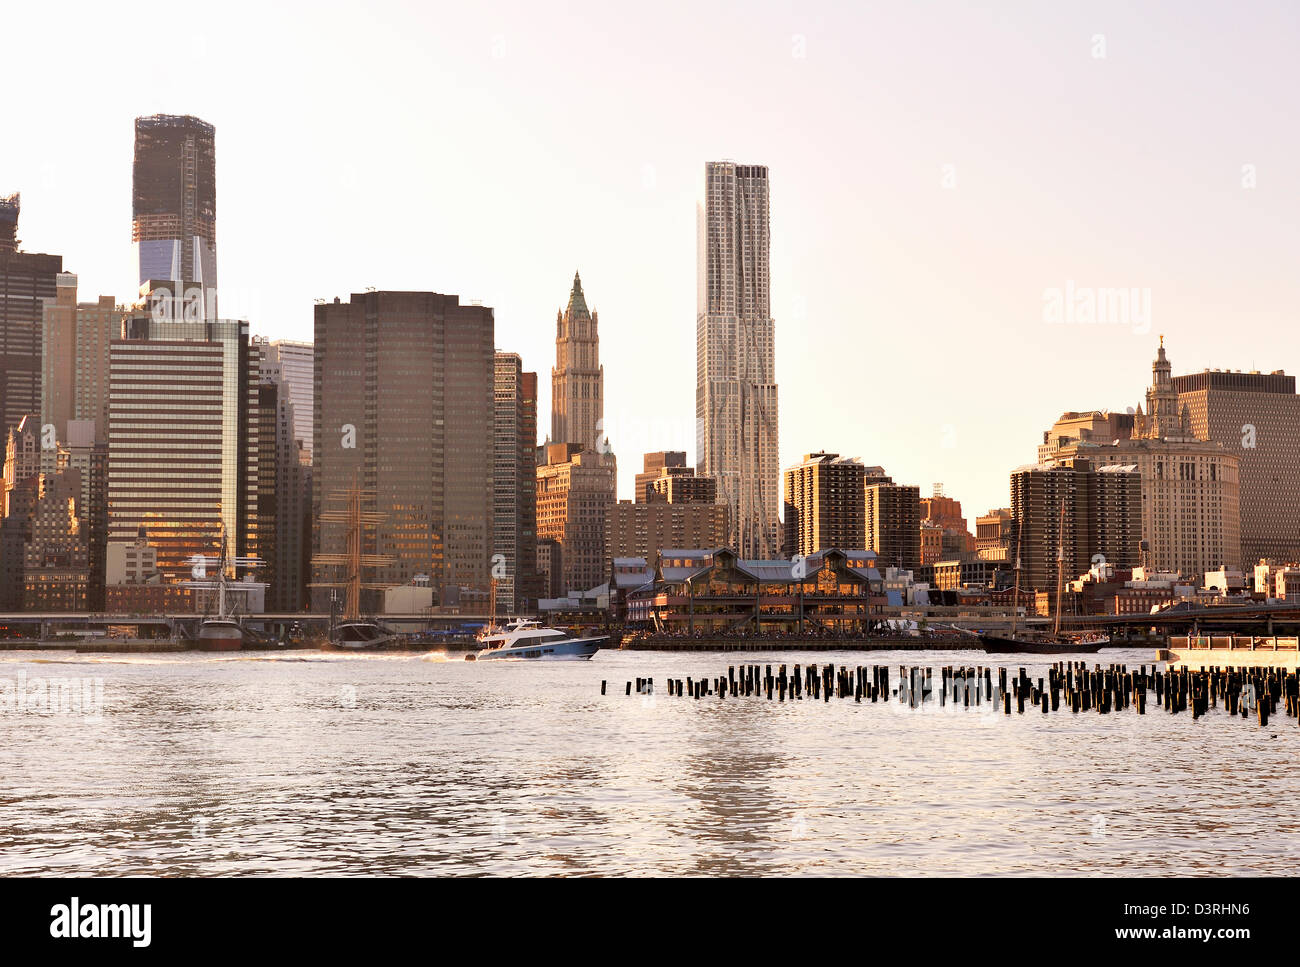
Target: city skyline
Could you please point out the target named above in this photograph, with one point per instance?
(1066, 176)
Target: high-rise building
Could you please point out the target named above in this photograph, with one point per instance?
(666, 479)
(514, 486)
(550, 568)
(735, 383)
(22, 455)
(529, 584)
(682, 488)
(893, 521)
(578, 379)
(944, 511)
(1257, 417)
(1098, 507)
(995, 535)
(9, 207)
(662, 463)
(405, 410)
(174, 207)
(824, 505)
(294, 363)
(75, 341)
(27, 282)
(955, 541)
(82, 451)
(1191, 514)
(56, 556)
(15, 532)
(641, 530)
(182, 441)
(575, 488)
(284, 486)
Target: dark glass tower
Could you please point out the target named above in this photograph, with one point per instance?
(27, 280)
(405, 409)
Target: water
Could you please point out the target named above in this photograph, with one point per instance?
(332, 764)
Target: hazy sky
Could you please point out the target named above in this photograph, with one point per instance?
(491, 149)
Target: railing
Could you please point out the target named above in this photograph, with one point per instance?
(1235, 643)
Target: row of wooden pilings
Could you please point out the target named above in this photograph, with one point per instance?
(1243, 691)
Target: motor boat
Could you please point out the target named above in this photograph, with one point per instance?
(358, 634)
(524, 639)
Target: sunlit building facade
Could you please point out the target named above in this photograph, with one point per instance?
(182, 438)
(735, 388)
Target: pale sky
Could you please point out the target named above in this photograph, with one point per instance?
(490, 149)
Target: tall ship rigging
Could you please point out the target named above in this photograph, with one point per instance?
(354, 631)
(1035, 642)
(221, 631)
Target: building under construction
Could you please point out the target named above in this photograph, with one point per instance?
(174, 203)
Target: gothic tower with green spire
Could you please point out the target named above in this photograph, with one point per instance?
(578, 379)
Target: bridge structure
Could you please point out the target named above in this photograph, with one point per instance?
(49, 624)
(1260, 619)
(1256, 619)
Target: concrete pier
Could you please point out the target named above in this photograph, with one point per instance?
(1231, 651)
(793, 643)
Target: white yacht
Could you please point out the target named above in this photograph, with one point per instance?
(525, 639)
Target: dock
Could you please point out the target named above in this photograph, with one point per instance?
(1202, 652)
(794, 643)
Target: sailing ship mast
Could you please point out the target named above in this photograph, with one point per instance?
(221, 577)
(1015, 594)
(356, 521)
(1060, 570)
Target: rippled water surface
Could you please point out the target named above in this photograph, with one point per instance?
(312, 763)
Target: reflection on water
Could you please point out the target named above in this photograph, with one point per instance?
(349, 764)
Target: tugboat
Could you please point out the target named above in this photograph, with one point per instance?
(1032, 642)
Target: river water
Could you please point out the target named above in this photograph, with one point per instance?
(350, 764)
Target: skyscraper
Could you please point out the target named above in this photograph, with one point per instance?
(1257, 417)
(824, 504)
(661, 463)
(1100, 509)
(56, 559)
(182, 435)
(1191, 513)
(27, 281)
(893, 521)
(75, 347)
(640, 529)
(174, 207)
(578, 379)
(284, 487)
(404, 405)
(735, 386)
(514, 500)
(575, 488)
(294, 363)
